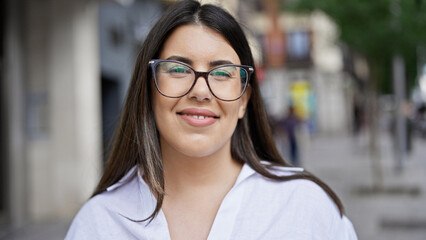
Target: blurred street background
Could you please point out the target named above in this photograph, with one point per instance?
(344, 84)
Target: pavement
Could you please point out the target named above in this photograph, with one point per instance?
(396, 211)
(47, 230)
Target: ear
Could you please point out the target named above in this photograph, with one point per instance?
(244, 101)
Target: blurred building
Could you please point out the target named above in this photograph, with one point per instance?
(65, 67)
(303, 66)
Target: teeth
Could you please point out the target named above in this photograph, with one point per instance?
(198, 117)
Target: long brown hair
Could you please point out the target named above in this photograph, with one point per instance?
(137, 140)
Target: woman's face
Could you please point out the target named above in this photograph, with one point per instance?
(197, 124)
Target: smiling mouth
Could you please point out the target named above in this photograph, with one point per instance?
(201, 117)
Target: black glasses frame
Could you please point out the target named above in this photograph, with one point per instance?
(153, 63)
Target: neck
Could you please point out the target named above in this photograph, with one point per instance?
(183, 173)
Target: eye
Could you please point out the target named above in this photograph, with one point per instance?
(178, 69)
(175, 69)
(220, 73)
(223, 73)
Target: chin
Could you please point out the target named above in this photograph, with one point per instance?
(200, 151)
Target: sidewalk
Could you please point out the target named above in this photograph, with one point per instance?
(53, 230)
(398, 212)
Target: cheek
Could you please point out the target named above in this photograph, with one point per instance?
(235, 109)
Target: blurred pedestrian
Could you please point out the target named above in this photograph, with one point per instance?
(193, 157)
(291, 124)
(420, 120)
(358, 116)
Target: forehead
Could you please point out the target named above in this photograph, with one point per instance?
(199, 43)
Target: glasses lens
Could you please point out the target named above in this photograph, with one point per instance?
(173, 79)
(228, 82)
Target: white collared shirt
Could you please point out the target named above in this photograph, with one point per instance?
(255, 208)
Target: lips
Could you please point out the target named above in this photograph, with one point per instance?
(198, 117)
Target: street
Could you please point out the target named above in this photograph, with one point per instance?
(398, 210)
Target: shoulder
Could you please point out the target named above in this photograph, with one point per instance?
(294, 187)
(90, 219)
(98, 214)
(302, 192)
(300, 204)
(112, 211)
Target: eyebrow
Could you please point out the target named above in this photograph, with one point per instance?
(181, 59)
(219, 62)
(190, 62)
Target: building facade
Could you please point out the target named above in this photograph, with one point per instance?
(65, 68)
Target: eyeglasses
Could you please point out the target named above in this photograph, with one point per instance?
(175, 79)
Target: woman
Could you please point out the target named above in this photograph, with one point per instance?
(193, 156)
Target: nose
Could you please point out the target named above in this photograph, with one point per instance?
(200, 91)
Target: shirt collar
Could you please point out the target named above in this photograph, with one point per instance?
(246, 172)
(130, 197)
(123, 180)
(135, 201)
